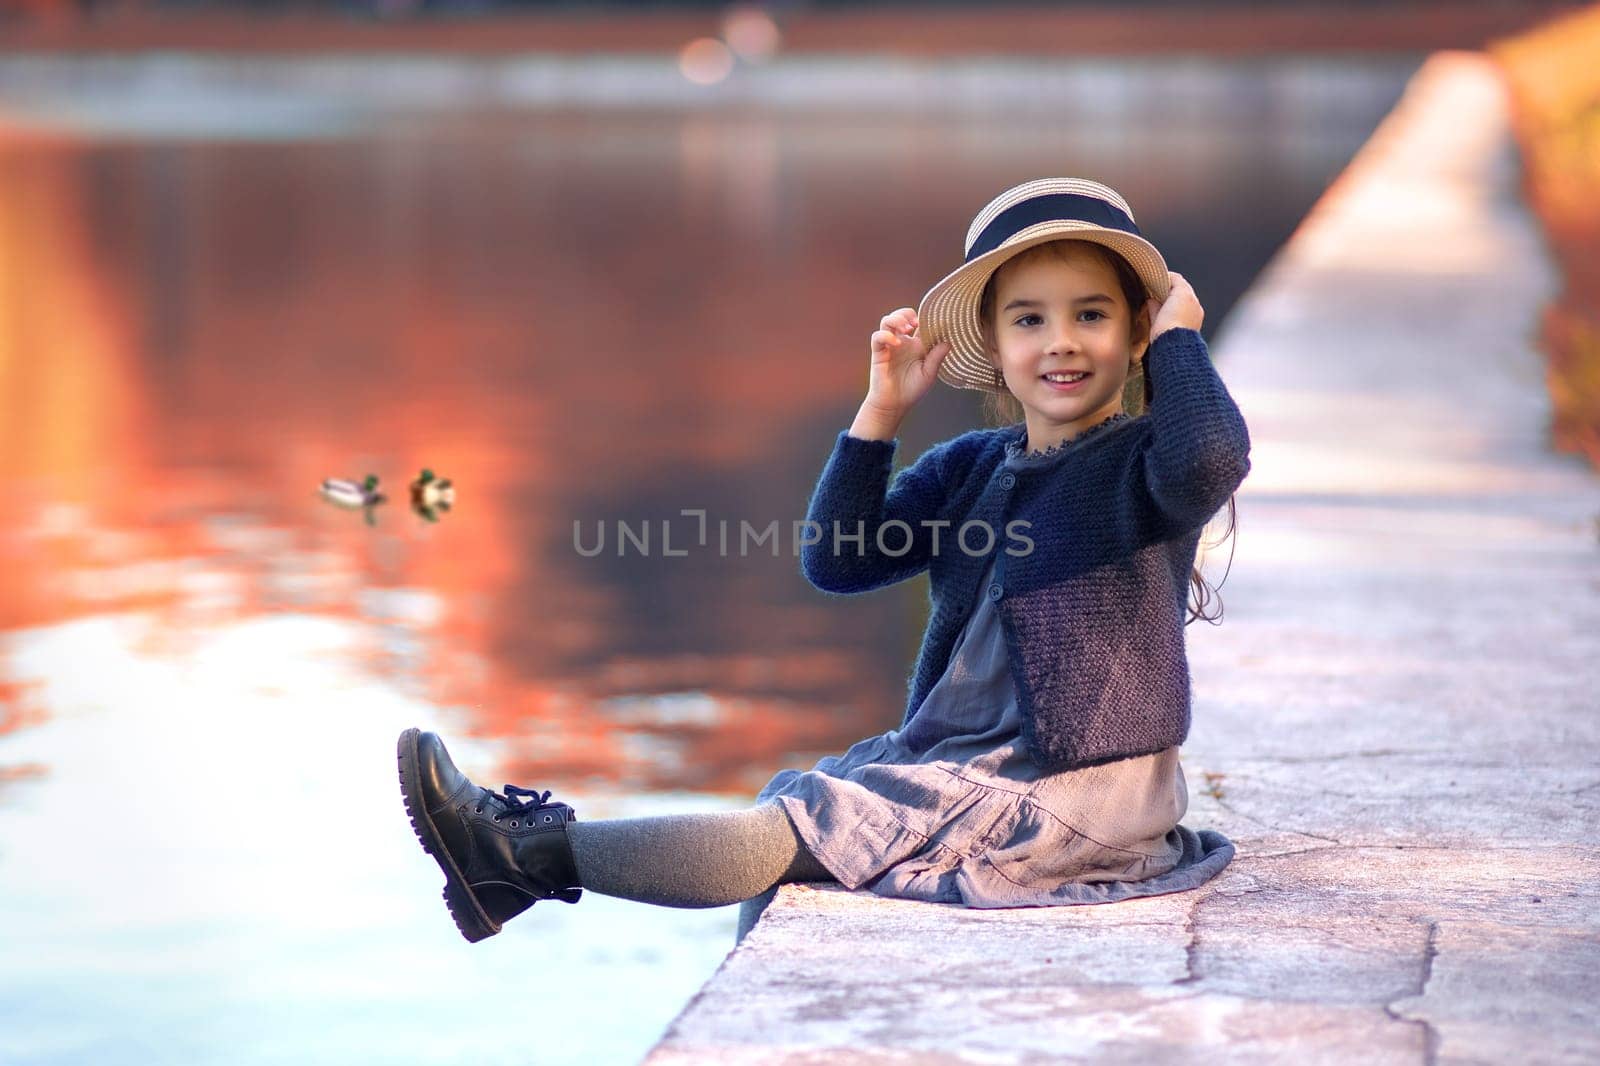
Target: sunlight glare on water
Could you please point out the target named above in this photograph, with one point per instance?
(217, 859)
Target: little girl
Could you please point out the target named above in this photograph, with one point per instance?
(1037, 762)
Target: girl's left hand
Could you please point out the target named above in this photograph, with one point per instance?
(1181, 308)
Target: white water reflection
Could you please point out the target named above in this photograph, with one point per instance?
(215, 867)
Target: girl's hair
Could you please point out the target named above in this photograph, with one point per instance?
(1003, 409)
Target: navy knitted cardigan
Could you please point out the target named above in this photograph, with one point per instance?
(1092, 593)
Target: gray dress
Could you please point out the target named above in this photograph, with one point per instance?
(952, 809)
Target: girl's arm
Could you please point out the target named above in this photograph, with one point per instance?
(1197, 453)
(867, 531)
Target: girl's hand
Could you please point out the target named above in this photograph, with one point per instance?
(903, 368)
(1181, 308)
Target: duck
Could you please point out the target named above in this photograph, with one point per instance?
(430, 495)
(351, 495)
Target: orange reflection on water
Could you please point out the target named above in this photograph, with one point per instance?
(571, 316)
(71, 424)
(167, 466)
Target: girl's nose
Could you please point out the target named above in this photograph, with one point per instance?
(1062, 340)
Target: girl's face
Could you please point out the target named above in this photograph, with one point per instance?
(1057, 315)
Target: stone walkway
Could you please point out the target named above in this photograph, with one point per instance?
(1396, 722)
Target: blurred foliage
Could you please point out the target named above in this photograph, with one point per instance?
(314, 6)
(1554, 84)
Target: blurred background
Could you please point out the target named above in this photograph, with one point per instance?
(596, 265)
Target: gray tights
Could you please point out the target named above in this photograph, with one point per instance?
(696, 860)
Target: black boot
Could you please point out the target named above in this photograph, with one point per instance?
(499, 857)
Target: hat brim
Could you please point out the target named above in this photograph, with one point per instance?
(949, 311)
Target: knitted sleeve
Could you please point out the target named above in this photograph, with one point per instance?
(1198, 449)
(866, 533)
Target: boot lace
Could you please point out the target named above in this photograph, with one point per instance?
(535, 801)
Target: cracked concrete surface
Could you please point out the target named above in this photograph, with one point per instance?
(1396, 722)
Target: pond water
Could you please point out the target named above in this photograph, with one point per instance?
(589, 318)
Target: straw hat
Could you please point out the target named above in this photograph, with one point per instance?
(1045, 209)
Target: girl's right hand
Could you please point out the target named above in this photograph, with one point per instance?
(903, 367)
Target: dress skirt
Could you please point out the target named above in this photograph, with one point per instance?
(952, 809)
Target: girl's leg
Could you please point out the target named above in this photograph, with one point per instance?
(692, 860)
(805, 867)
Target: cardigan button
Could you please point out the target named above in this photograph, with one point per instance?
(1008, 480)
(995, 592)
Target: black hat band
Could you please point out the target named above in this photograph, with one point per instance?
(1051, 207)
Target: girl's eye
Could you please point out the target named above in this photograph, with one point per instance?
(1023, 321)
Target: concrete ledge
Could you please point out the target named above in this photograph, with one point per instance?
(1395, 723)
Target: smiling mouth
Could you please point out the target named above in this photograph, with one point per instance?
(1069, 383)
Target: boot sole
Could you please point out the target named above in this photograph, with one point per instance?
(464, 907)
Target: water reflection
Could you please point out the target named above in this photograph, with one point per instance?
(213, 869)
(583, 319)
(580, 318)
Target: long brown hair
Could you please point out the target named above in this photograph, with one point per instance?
(1003, 409)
